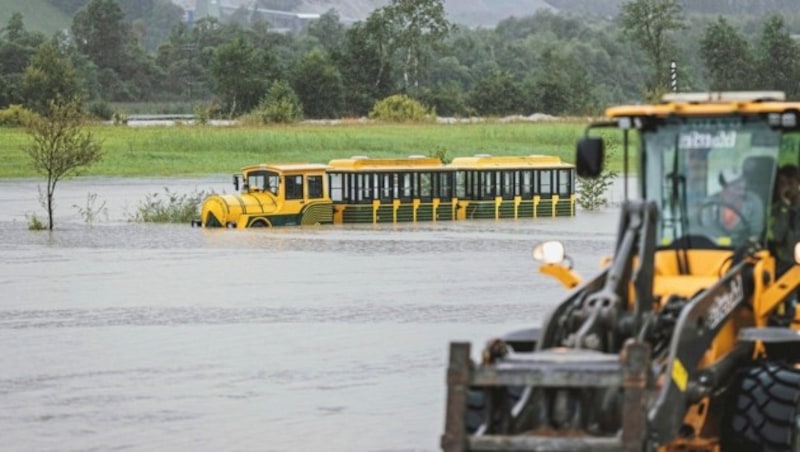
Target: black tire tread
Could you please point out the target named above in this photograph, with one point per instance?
(476, 406)
(764, 410)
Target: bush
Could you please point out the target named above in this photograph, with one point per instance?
(400, 108)
(101, 110)
(35, 224)
(202, 114)
(280, 105)
(15, 116)
(172, 208)
(120, 119)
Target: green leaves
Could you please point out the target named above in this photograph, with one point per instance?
(59, 146)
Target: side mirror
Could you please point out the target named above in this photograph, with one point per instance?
(236, 182)
(589, 157)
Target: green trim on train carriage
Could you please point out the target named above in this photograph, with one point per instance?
(311, 214)
(385, 212)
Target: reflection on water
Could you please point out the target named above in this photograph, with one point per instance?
(122, 335)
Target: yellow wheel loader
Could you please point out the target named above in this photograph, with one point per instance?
(688, 338)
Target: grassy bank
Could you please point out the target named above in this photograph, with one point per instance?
(195, 150)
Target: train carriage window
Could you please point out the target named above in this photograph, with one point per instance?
(314, 187)
(386, 187)
(507, 180)
(564, 183)
(545, 187)
(488, 184)
(473, 185)
(461, 184)
(347, 195)
(294, 186)
(361, 189)
(406, 181)
(376, 190)
(445, 186)
(366, 187)
(526, 187)
(336, 184)
(425, 186)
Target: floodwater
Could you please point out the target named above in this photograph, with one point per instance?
(117, 335)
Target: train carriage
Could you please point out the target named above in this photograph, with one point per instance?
(498, 187)
(365, 190)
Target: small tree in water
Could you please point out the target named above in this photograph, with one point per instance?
(60, 147)
(591, 192)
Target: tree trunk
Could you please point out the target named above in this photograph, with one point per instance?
(51, 188)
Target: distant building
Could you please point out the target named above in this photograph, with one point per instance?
(280, 21)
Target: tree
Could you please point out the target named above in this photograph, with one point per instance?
(496, 94)
(280, 105)
(329, 31)
(560, 86)
(727, 57)
(60, 147)
(101, 33)
(648, 22)
(366, 71)
(235, 70)
(49, 77)
(318, 84)
(17, 46)
(778, 58)
(416, 27)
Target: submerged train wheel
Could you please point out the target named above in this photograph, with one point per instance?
(260, 223)
(764, 413)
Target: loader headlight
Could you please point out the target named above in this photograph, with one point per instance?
(553, 252)
(797, 253)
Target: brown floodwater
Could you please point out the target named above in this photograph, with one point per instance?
(119, 335)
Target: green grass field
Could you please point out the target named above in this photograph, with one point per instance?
(195, 150)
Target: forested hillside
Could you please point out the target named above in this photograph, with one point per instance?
(118, 53)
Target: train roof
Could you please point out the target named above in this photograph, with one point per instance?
(526, 161)
(710, 104)
(287, 167)
(363, 163)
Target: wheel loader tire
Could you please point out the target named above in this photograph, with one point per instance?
(764, 412)
(476, 406)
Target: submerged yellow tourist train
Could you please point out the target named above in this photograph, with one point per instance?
(417, 188)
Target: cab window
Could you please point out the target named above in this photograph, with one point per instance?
(314, 186)
(294, 187)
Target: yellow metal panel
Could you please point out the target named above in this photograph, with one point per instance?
(554, 205)
(395, 206)
(375, 205)
(508, 162)
(679, 375)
